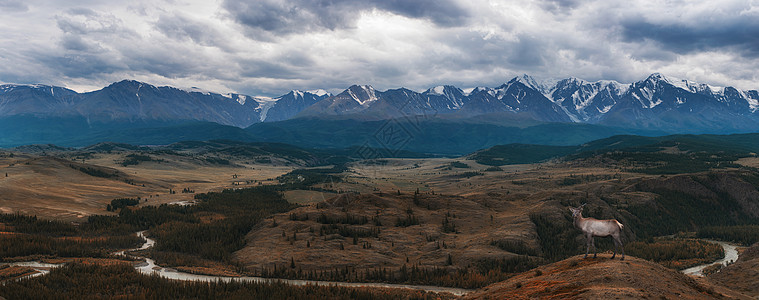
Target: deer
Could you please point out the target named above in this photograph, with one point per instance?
(602, 228)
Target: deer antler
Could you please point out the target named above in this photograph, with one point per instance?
(583, 204)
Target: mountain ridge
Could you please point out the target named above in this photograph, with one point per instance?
(131, 100)
(657, 102)
(654, 105)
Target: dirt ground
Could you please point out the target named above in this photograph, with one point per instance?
(603, 278)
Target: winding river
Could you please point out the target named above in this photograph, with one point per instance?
(149, 267)
(40, 267)
(731, 255)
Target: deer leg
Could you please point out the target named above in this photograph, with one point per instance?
(593, 242)
(587, 246)
(615, 248)
(622, 248)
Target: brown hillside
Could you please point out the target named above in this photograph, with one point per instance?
(743, 275)
(601, 278)
(54, 187)
(63, 187)
(477, 221)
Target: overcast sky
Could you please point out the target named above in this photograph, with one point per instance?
(268, 47)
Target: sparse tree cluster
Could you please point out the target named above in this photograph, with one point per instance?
(117, 204)
(744, 234)
(678, 254)
(348, 218)
(94, 171)
(448, 225)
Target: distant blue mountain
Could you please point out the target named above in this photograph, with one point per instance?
(126, 110)
(656, 103)
(133, 101)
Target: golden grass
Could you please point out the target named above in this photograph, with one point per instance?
(306, 197)
(49, 187)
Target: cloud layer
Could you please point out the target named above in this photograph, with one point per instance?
(270, 46)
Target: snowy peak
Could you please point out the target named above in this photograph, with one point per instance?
(644, 91)
(699, 88)
(568, 83)
(564, 86)
(296, 93)
(242, 99)
(195, 89)
(521, 95)
(445, 98)
(54, 91)
(311, 93)
(9, 86)
(447, 91)
(130, 84)
(530, 82)
(363, 94)
(658, 89)
(319, 92)
(656, 77)
(288, 105)
(614, 86)
(586, 101)
(482, 90)
(438, 90)
(752, 97)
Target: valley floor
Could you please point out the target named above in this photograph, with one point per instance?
(436, 221)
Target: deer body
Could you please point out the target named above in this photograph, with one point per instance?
(592, 227)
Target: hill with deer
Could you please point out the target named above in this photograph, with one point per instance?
(603, 278)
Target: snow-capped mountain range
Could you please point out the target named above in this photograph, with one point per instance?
(656, 102)
(132, 101)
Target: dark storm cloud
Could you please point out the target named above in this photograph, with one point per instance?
(84, 22)
(13, 6)
(83, 65)
(183, 27)
(75, 43)
(559, 6)
(94, 44)
(269, 69)
(738, 33)
(283, 17)
(290, 64)
(528, 52)
(441, 12)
